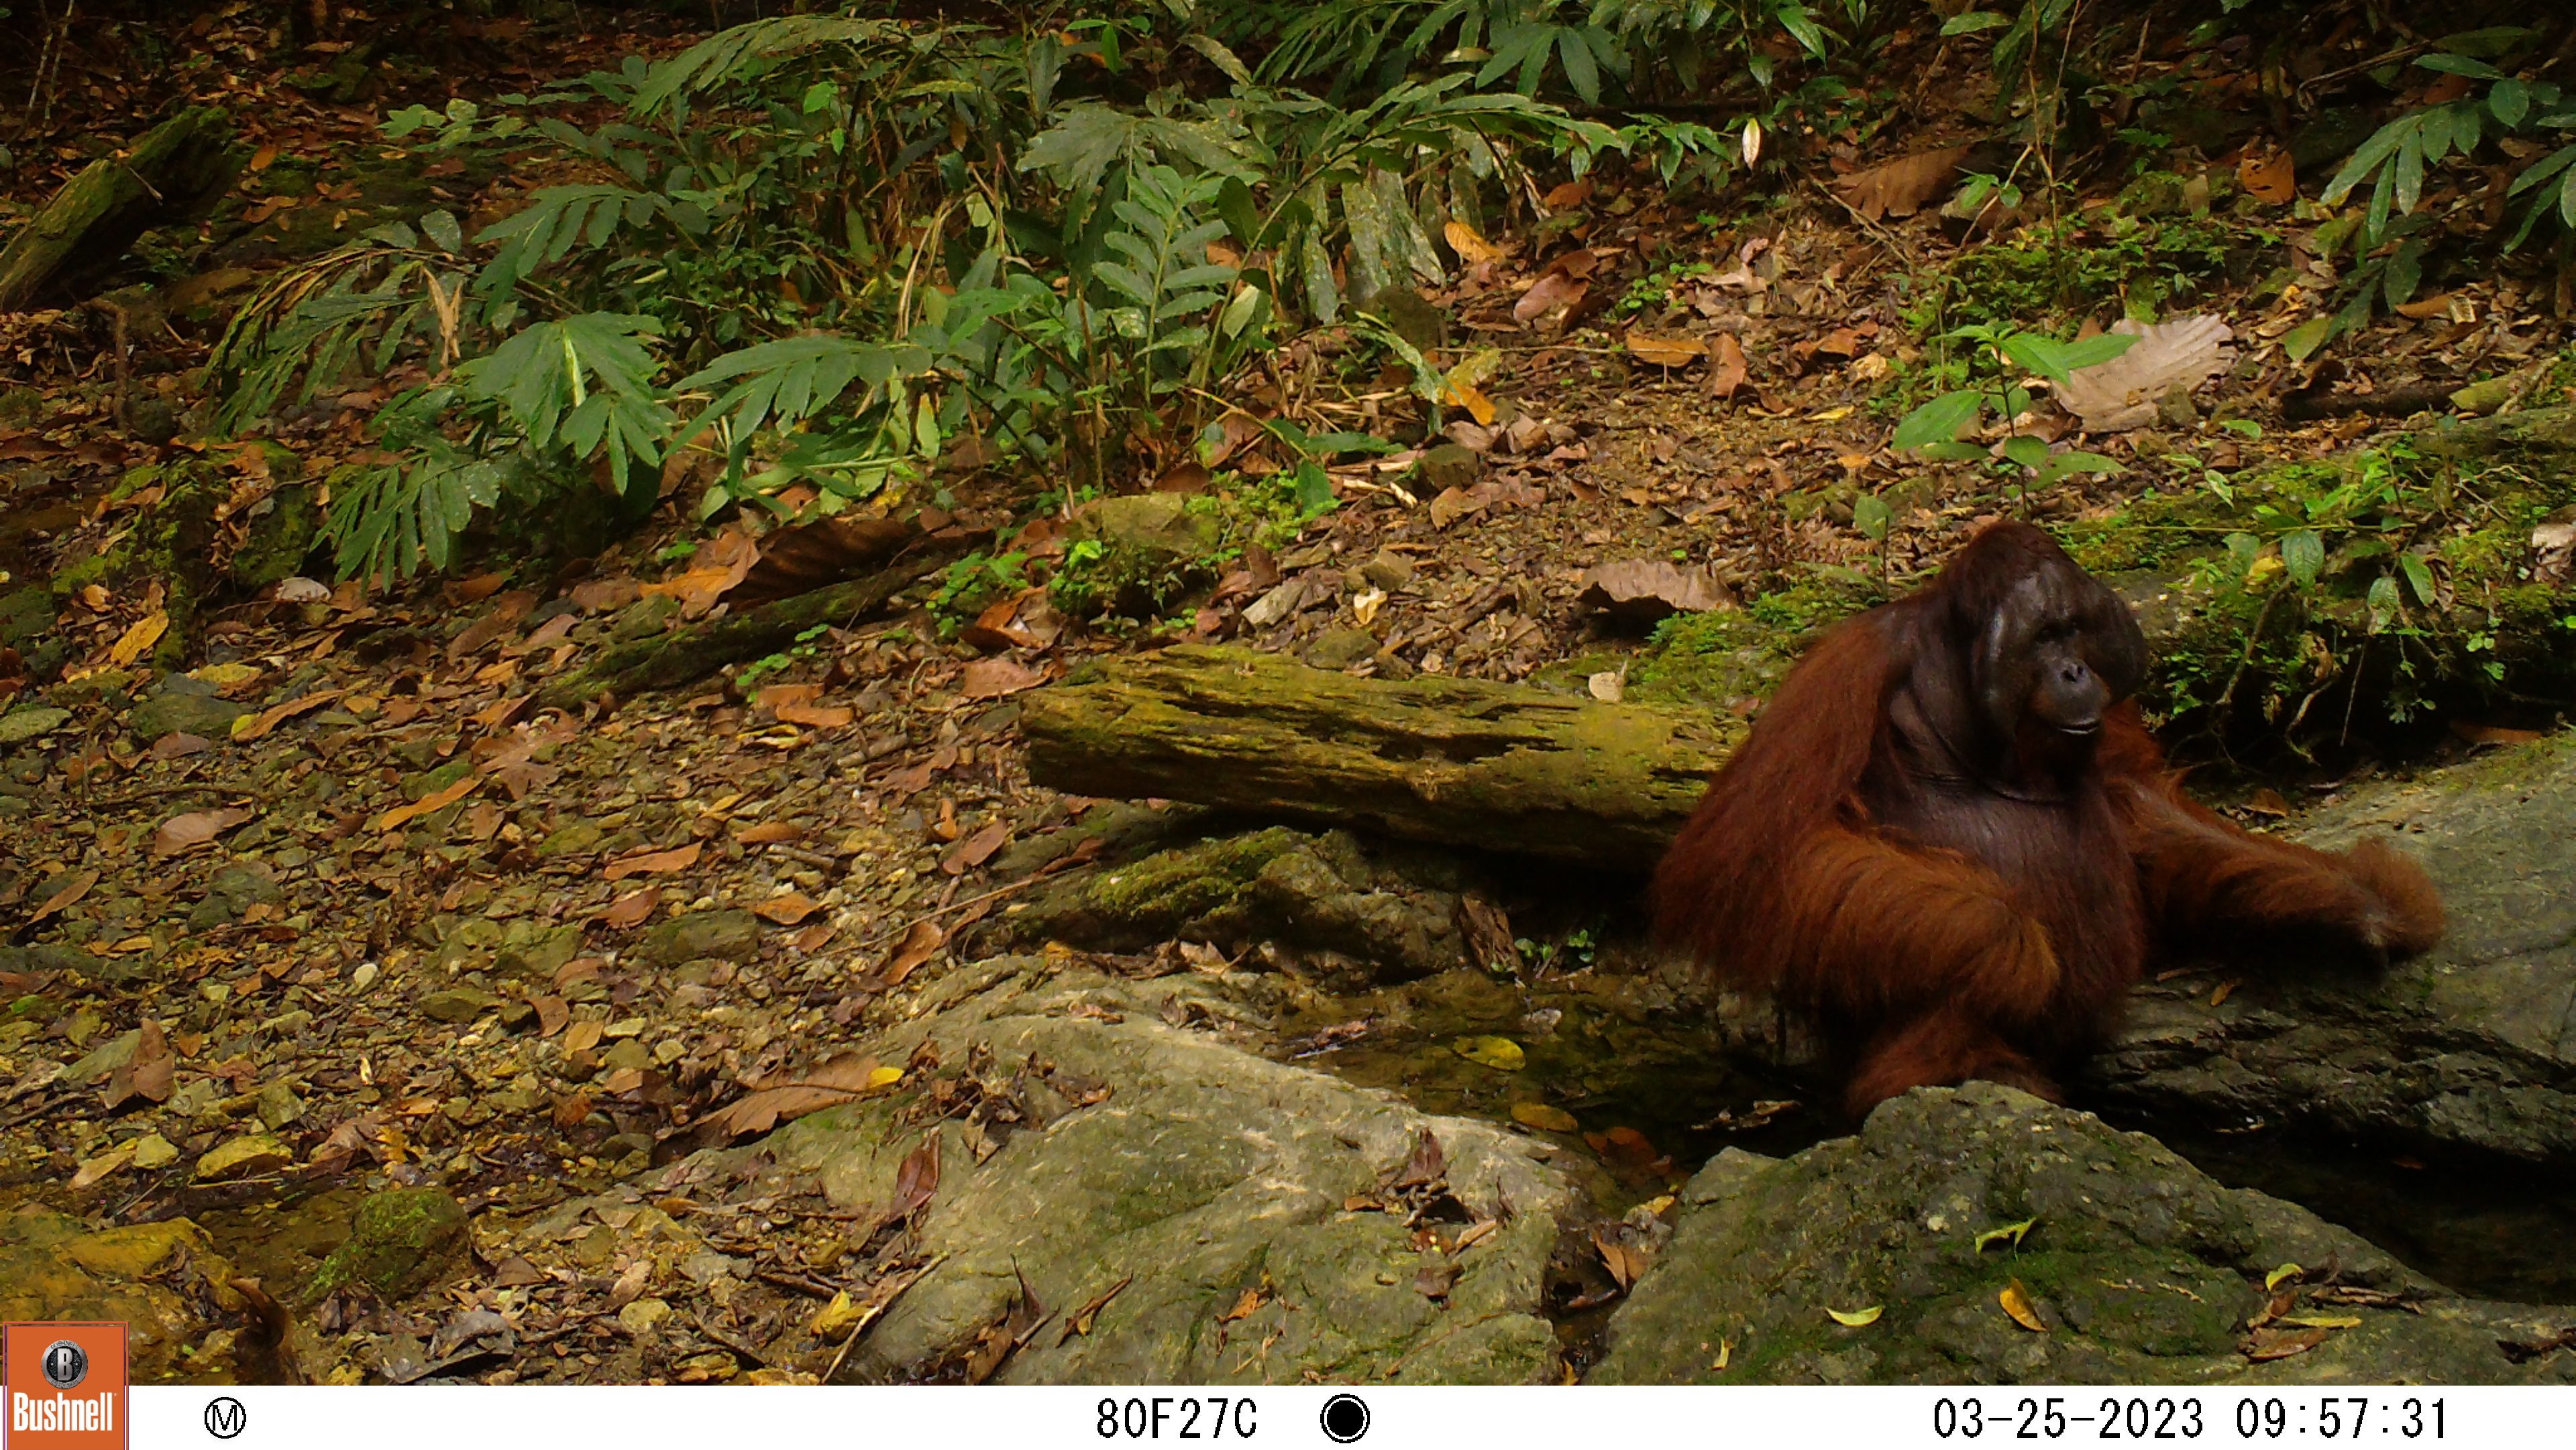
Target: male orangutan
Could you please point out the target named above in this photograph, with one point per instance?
(1949, 846)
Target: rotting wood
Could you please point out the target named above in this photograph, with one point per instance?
(170, 173)
(1507, 768)
(678, 656)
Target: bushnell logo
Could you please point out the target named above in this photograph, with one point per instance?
(65, 1364)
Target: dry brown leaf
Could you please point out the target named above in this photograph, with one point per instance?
(2268, 176)
(71, 891)
(1548, 293)
(719, 565)
(772, 697)
(1643, 591)
(821, 717)
(596, 596)
(787, 909)
(1666, 352)
(1566, 194)
(251, 727)
(2121, 394)
(916, 947)
(434, 801)
(632, 907)
(2266, 1344)
(1902, 186)
(504, 616)
(769, 831)
(1079, 1321)
(679, 858)
(990, 679)
(976, 849)
(194, 829)
(1726, 366)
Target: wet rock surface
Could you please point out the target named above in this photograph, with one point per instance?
(1987, 1237)
(2470, 1049)
(1258, 1216)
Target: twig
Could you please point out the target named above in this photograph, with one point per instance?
(1886, 237)
(870, 1316)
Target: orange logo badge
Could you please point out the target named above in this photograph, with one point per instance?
(65, 1385)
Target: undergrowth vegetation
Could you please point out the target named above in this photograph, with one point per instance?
(819, 262)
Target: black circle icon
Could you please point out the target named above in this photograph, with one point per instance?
(66, 1364)
(226, 1417)
(1346, 1418)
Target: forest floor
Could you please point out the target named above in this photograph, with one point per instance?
(237, 979)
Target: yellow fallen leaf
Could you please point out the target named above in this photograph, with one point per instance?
(225, 676)
(2011, 1231)
(99, 1167)
(2323, 1321)
(835, 1320)
(1471, 248)
(138, 637)
(1463, 386)
(1494, 1052)
(884, 1077)
(1543, 1116)
(2016, 1302)
(1856, 1318)
(2273, 1279)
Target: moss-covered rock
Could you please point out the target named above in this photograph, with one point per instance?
(403, 1239)
(1320, 896)
(2134, 1267)
(1215, 1186)
(283, 529)
(2429, 585)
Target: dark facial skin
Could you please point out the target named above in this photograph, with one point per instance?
(2055, 652)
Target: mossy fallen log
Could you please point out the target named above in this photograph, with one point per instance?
(1508, 768)
(169, 173)
(678, 656)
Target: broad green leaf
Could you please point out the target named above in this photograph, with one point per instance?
(2307, 337)
(1969, 22)
(2510, 101)
(2419, 576)
(2303, 554)
(2026, 450)
(1871, 515)
(2458, 65)
(441, 228)
(1939, 420)
(2384, 604)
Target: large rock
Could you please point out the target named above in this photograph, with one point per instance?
(163, 1280)
(1231, 1192)
(2137, 1268)
(2471, 1047)
(1320, 896)
(732, 935)
(401, 1241)
(185, 705)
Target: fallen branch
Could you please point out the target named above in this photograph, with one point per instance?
(678, 656)
(1508, 768)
